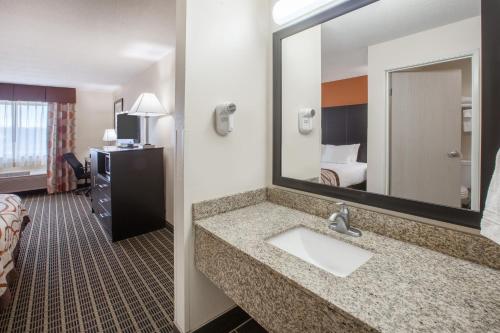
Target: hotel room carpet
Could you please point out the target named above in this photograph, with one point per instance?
(72, 278)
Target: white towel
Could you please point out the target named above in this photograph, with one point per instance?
(466, 100)
(490, 225)
(467, 125)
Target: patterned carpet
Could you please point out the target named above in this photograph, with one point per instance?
(73, 279)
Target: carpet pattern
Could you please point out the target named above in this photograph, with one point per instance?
(74, 279)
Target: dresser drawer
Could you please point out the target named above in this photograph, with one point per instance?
(104, 218)
(102, 183)
(103, 189)
(101, 197)
(104, 202)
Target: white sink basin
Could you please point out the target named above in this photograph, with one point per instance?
(330, 254)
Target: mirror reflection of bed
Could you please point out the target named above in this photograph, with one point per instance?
(344, 131)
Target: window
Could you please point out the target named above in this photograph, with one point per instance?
(23, 135)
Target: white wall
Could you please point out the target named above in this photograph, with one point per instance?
(441, 43)
(94, 114)
(344, 66)
(227, 58)
(301, 89)
(160, 80)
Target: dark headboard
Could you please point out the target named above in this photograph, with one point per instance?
(346, 125)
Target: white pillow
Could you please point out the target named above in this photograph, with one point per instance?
(336, 154)
(355, 150)
(339, 154)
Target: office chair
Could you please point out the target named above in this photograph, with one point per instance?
(80, 173)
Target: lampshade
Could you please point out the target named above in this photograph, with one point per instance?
(147, 105)
(109, 135)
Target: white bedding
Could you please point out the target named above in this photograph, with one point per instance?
(349, 174)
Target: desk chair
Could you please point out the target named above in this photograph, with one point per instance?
(80, 173)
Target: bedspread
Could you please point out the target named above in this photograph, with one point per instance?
(13, 219)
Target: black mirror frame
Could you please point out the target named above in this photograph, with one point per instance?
(490, 122)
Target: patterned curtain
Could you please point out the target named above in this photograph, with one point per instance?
(61, 140)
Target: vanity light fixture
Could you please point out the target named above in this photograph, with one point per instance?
(285, 11)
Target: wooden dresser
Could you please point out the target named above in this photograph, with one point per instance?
(128, 190)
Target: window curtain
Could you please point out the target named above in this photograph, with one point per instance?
(31, 135)
(23, 134)
(61, 140)
(6, 135)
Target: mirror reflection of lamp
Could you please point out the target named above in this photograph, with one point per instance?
(147, 106)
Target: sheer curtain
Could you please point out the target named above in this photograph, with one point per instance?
(31, 135)
(23, 134)
(6, 135)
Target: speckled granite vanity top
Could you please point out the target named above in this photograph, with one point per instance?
(402, 288)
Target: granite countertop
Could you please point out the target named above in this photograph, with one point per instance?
(402, 288)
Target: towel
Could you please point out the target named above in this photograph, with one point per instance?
(467, 113)
(466, 100)
(490, 224)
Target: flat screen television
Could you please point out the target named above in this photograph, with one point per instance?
(128, 127)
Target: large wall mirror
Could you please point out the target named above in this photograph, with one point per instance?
(383, 103)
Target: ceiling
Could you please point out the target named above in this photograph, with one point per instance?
(345, 40)
(89, 44)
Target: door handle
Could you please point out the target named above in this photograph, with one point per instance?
(454, 154)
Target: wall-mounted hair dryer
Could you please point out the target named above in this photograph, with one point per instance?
(305, 120)
(224, 118)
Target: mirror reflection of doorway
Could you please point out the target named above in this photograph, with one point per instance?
(431, 136)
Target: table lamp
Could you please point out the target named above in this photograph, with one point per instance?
(109, 136)
(147, 105)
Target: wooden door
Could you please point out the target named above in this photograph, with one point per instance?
(425, 122)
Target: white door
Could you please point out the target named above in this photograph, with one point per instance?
(425, 140)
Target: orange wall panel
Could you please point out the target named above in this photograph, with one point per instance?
(352, 91)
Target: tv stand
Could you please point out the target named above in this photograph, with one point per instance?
(128, 191)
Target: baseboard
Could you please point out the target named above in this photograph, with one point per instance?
(31, 192)
(226, 322)
(169, 226)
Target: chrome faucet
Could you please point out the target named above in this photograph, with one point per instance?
(340, 222)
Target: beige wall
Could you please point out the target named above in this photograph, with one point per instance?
(94, 114)
(301, 89)
(160, 80)
(441, 43)
(227, 59)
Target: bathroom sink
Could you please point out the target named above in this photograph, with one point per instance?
(330, 254)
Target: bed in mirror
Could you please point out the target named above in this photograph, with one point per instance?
(379, 102)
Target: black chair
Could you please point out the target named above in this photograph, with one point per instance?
(80, 173)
